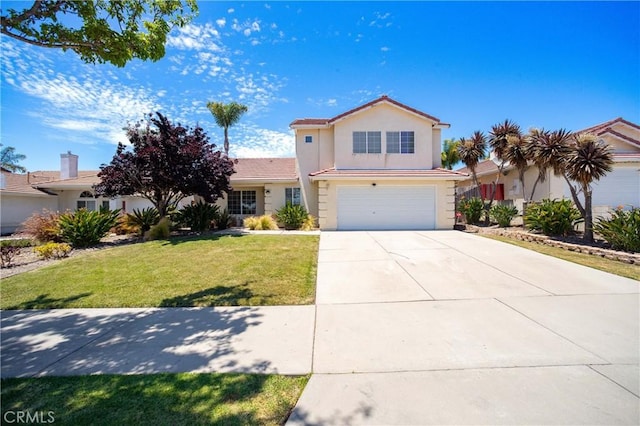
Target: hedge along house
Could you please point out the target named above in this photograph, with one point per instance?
(376, 166)
(620, 187)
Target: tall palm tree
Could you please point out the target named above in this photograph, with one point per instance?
(226, 115)
(471, 151)
(589, 160)
(9, 160)
(449, 153)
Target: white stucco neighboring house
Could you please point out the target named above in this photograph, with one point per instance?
(260, 186)
(376, 166)
(620, 187)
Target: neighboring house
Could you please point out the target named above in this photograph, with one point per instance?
(620, 187)
(376, 166)
(261, 185)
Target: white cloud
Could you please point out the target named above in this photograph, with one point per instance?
(253, 141)
(221, 22)
(90, 104)
(231, 10)
(194, 37)
(384, 49)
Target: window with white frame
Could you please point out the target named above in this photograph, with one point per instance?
(292, 196)
(86, 201)
(401, 143)
(242, 202)
(367, 142)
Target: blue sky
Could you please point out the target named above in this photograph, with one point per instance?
(551, 65)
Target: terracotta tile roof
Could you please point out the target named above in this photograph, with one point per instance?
(601, 128)
(18, 183)
(437, 173)
(85, 178)
(384, 98)
(484, 167)
(265, 169)
(310, 122)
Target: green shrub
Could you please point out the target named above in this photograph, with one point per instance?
(159, 231)
(43, 226)
(142, 220)
(291, 216)
(223, 220)
(471, 209)
(53, 250)
(198, 217)
(7, 254)
(552, 217)
(503, 214)
(309, 223)
(22, 242)
(622, 230)
(85, 228)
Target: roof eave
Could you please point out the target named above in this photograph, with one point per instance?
(320, 177)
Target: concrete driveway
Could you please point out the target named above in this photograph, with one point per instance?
(443, 327)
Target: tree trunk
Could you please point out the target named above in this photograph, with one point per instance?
(588, 214)
(574, 195)
(226, 141)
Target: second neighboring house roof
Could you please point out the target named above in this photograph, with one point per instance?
(607, 127)
(384, 98)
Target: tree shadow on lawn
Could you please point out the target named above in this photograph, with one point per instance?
(140, 399)
(42, 301)
(235, 295)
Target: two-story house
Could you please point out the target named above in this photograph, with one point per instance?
(376, 166)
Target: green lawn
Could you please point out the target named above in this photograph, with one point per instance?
(199, 271)
(596, 262)
(155, 399)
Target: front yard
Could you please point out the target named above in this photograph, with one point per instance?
(197, 271)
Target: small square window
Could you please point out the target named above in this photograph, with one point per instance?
(308, 139)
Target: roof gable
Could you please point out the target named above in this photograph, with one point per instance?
(608, 128)
(383, 99)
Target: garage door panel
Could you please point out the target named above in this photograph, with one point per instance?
(386, 207)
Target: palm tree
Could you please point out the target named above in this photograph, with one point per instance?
(517, 154)
(548, 150)
(226, 115)
(471, 151)
(498, 137)
(589, 160)
(9, 160)
(449, 153)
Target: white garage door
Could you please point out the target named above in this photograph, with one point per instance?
(386, 207)
(621, 186)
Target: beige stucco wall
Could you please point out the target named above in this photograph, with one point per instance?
(15, 209)
(312, 157)
(383, 117)
(328, 200)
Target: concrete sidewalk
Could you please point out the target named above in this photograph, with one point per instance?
(269, 339)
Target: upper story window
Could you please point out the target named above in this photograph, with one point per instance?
(292, 196)
(401, 143)
(308, 139)
(367, 142)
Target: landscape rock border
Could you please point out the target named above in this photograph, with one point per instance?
(523, 235)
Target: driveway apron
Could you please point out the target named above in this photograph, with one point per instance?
(444, 327)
